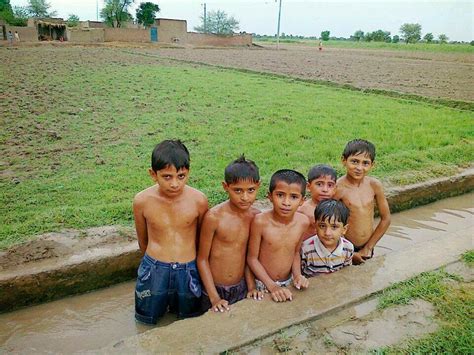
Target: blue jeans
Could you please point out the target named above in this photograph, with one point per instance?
(166, 285)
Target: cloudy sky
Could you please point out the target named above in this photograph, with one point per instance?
(308, 17)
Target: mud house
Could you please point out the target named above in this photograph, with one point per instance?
(49, 28)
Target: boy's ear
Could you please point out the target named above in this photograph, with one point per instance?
(269, 196)
(225, 186)
(152, 174)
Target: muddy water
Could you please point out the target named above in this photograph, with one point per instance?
(91, 321)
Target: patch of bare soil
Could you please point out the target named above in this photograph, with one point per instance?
(65, 243)
(434, 75)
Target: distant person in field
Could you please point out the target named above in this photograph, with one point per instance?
(224, 239)
(168, 216)
(10, 38)
(322, 186)
(17, 36)
(328, 250)
(320, 45)
(359, 193)
(276, 236)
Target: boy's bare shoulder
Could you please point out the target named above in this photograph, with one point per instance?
(262, 218)
(195, 194)
(301, 218)
(143, 195)
(307, 208)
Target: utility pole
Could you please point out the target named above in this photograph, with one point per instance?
(278, 29)
(205, 20)
(97, 9)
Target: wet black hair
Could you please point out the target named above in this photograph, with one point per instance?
(329, 209)
(170, 153)
(290, 177)
(241, 169)
(320, 170)
(358, 146)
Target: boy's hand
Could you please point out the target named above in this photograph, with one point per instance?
(357, 259)
(220, 306)
(281, 294)
(300, 282)
(366, 253)
(256, 295)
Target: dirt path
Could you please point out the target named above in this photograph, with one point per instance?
(435, 75)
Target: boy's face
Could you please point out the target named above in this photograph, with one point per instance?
(358, 165)
(242, 194)
(170, 180)
(329, 231)
(322, 188)
(286, 198)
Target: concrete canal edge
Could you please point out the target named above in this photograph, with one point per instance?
(250, 320)
(103, 264)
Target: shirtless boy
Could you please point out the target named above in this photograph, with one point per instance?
(167, 219)
(322, 186)
(224, 239)
(276, 236)
(359, 193)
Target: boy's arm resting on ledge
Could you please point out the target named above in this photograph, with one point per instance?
(384, 223)
(140, 224)
(278, 294)
(298, 279)
(208, 230)
(251, 287)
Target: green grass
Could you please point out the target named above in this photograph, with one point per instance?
(424, 47)
(78, 127)
(454, 303)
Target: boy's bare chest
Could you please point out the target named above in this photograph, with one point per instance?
(164, 215)
(282, 238)
(234, 230)
(362, 197)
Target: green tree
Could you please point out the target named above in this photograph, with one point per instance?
(411, 32)
(443, 38)
(146, 13)
(115, 12)
(428, 37)
(20, 16)
(325, 35)
(6, 11)
(40, 8)
(72, 20)
(358, 35)
(218, 22)
(396, 39)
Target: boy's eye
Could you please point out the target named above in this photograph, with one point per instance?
(279, 194)
(295, 197)
(251, 189)
(238, 191)
(319, 184)
(331, 185)
(366, 163)
(181, 176)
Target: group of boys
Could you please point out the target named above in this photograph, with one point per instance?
(236, 251)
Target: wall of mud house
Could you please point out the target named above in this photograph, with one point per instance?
(172, 31)
(201, 39)
(126, 35)
(27, 34)
(87, 35)
(91, 24)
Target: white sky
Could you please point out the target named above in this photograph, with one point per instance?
(308, 17)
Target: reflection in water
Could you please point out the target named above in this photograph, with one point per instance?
(94, 320)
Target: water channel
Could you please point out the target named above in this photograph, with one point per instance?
(91, 321)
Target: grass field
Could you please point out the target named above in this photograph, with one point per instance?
(79, 125)
(424, 47)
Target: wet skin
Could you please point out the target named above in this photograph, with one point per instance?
(223, 242)
(275, 241)
(168, 215)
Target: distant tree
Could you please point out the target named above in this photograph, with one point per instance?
(218, 22)
(72, 20)
(146, 13)
(115, 12)
(40, 8)
(16, 16)
(358, 35)
(411, 32)
(325, 35)
(369, 36)
(6, 11)
(395, 39)
(443, 38)
(428, 37)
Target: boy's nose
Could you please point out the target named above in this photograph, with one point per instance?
(245, 197)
